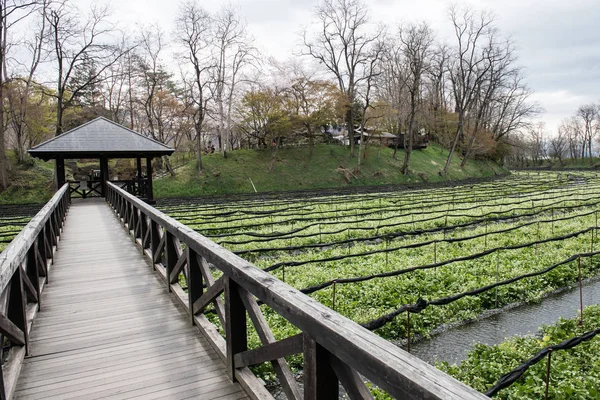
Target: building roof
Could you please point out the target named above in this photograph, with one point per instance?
(100, 137)
(382, 135)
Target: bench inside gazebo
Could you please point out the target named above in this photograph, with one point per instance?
(103, 139)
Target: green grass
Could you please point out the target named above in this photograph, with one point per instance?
(288, 169)
(31, 182)
(296, 169)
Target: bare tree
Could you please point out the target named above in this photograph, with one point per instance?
(80, 43)
(416, 43)
(193, 26)
(19, 92)
(436, 83)
(558, 144)
(537, 142)
(11, 13)
(588, 114)
(342, 46)
(392, 89)
(371, 73)
(232, 51)
(511, 109)
(469, 64)
(499, 67)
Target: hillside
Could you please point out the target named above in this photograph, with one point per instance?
(287, 170)
(295, 169)
(32, 182)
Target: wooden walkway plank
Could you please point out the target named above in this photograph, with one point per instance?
(107, 327)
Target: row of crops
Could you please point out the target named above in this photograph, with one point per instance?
(404, 263)
(12, 220)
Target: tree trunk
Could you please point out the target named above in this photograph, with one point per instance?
(350, 126)
(361, 146)
(168, 166)
(408, 145)
(3, 158)
(59, 115)
(199, 150)
(454, 143)
(471, 144)
(397, 141)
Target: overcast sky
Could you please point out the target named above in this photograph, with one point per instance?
(558, 41)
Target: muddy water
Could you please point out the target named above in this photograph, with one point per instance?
(453, 344)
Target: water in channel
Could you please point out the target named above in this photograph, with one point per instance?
(453, 344)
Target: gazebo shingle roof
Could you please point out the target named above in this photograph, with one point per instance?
(100, 137)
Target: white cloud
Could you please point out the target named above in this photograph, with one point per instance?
(558, 41)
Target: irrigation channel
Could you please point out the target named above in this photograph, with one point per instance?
(453, 344)
(407, 263)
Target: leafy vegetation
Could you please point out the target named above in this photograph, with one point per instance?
(574, 373)
(428, 244)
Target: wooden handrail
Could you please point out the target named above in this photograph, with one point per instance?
(24, 267)
(336, 349)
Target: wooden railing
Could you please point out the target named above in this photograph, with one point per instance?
(136, 187)
(336, 350)
(93, 188)
(24, 267)
(85, 189)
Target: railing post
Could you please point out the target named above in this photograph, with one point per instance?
(195, 281)
(320, 381)
(33, 272)
(154, 239)
(48, 243)
(135, 220)
(130, 218)
(144, 231)
(171, 256)
(17, 305)
(235, 325)
(43, 258)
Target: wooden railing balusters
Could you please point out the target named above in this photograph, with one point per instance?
(40, 250)
(23, 272)
(236, 337)
(155, 240)
(336, 351)
(195, 281)
(136, 222)
(320, 381)
(283, 371)
(210, 282)
(33, 271)
(17, 310)
(171, 256)
(181, 260)
(144, 231)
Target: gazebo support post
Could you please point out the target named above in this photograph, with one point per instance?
(103, 173)
(150, 194)
(60, 172)
(139, 168)
(138, 181)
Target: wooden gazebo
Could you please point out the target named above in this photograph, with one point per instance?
(103, 139)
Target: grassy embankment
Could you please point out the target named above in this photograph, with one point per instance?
(31, 182)
(295, 169)
(286, 170)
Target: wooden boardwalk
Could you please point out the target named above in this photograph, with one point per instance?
(108, 329)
